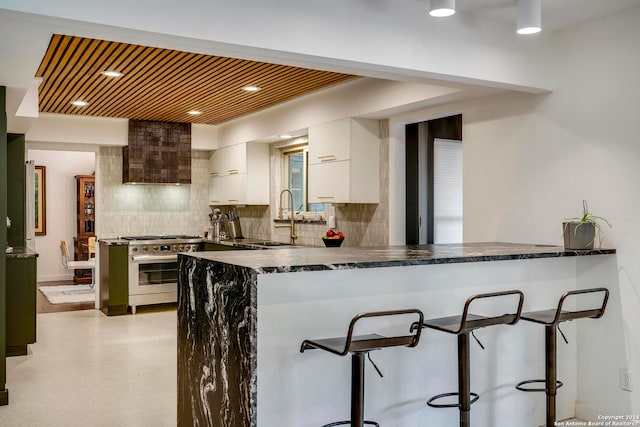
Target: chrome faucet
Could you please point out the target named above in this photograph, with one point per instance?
(292, 225)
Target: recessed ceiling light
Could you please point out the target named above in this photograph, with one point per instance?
(442, 8)
(251, 88)
(112, 73)
(79, 103)
(194, 112)
(285, 136)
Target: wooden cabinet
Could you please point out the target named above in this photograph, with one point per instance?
(239, 175)
(344, 162)
(85, 224)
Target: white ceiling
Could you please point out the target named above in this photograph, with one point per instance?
(25, 36)
(556, 14)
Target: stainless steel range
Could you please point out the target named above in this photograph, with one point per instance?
(153, 267)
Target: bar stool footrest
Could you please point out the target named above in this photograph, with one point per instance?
(342, 423)
(474, 396)
(520, 385)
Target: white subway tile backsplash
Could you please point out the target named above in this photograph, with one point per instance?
(151, 209)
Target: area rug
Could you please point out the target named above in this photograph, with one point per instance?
(68, 293)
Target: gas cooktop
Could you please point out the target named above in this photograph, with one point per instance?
(172, 237)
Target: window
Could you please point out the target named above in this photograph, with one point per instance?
(295, 160)
(447, 191)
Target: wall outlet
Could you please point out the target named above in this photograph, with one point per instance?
(625, 379)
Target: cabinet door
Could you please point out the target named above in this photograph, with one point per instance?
(215, 163)
(235, 159)
(229, 160)
(21, 304)
(236, 189)
(228, 189)
(217, 190)
(329, 182)
(330, 141)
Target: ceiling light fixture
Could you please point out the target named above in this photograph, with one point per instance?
(251, 88)
(112, 73)
(442, 8)
(194, 112)
(529, 16)
(79, 103)
(285, 136)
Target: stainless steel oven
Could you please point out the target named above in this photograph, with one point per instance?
(153, 267)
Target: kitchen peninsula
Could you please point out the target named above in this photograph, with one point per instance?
(243, 315)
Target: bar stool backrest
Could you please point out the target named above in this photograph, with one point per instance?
(515, 316)
(374, 341)
(595, 313)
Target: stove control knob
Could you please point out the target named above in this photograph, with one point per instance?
(181, 248)
(155, 249)
(145, 249)
(134, 249)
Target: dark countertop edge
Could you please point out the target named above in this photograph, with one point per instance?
(560, 252)
(21, 253)
(432, 261)
(242, 243)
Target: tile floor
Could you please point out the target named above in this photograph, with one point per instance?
(89, 370)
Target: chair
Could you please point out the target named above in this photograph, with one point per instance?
(91, 245)
(78, 265)
(551, 320)
(462, 326)
(359, 346)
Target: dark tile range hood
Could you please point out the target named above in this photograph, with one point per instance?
(158, 153)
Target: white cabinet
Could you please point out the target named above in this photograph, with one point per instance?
(229, 160)
(239, 175)
(344, 162)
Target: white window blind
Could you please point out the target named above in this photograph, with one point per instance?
(447, 188)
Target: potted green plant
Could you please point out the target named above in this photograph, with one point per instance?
(580, 232)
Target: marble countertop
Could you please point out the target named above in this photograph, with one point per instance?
(22, 253)
(287, 260)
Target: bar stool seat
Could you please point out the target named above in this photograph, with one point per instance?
(551, 320)
(462, 326)
(451, 324)
(359, 346)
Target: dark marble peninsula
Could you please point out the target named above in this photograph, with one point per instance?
(243, 314)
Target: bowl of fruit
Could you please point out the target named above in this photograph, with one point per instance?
(332, 238)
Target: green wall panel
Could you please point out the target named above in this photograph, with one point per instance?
(16, 189)
(4, 393)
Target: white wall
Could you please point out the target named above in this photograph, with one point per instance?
(529, 161)
(62, 167)
(62, 129)
(375, 39)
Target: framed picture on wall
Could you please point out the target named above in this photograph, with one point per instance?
(41, 201)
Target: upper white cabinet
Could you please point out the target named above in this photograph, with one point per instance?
(239, 175)
(229, 160)
(344, 162)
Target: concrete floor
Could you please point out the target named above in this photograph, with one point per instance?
(91, 370)
(87, 369)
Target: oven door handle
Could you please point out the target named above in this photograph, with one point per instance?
(142, 259)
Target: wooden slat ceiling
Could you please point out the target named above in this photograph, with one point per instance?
(163, 84)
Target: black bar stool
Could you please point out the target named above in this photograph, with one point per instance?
(358, 346)
(463, 326)
(551, 320)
